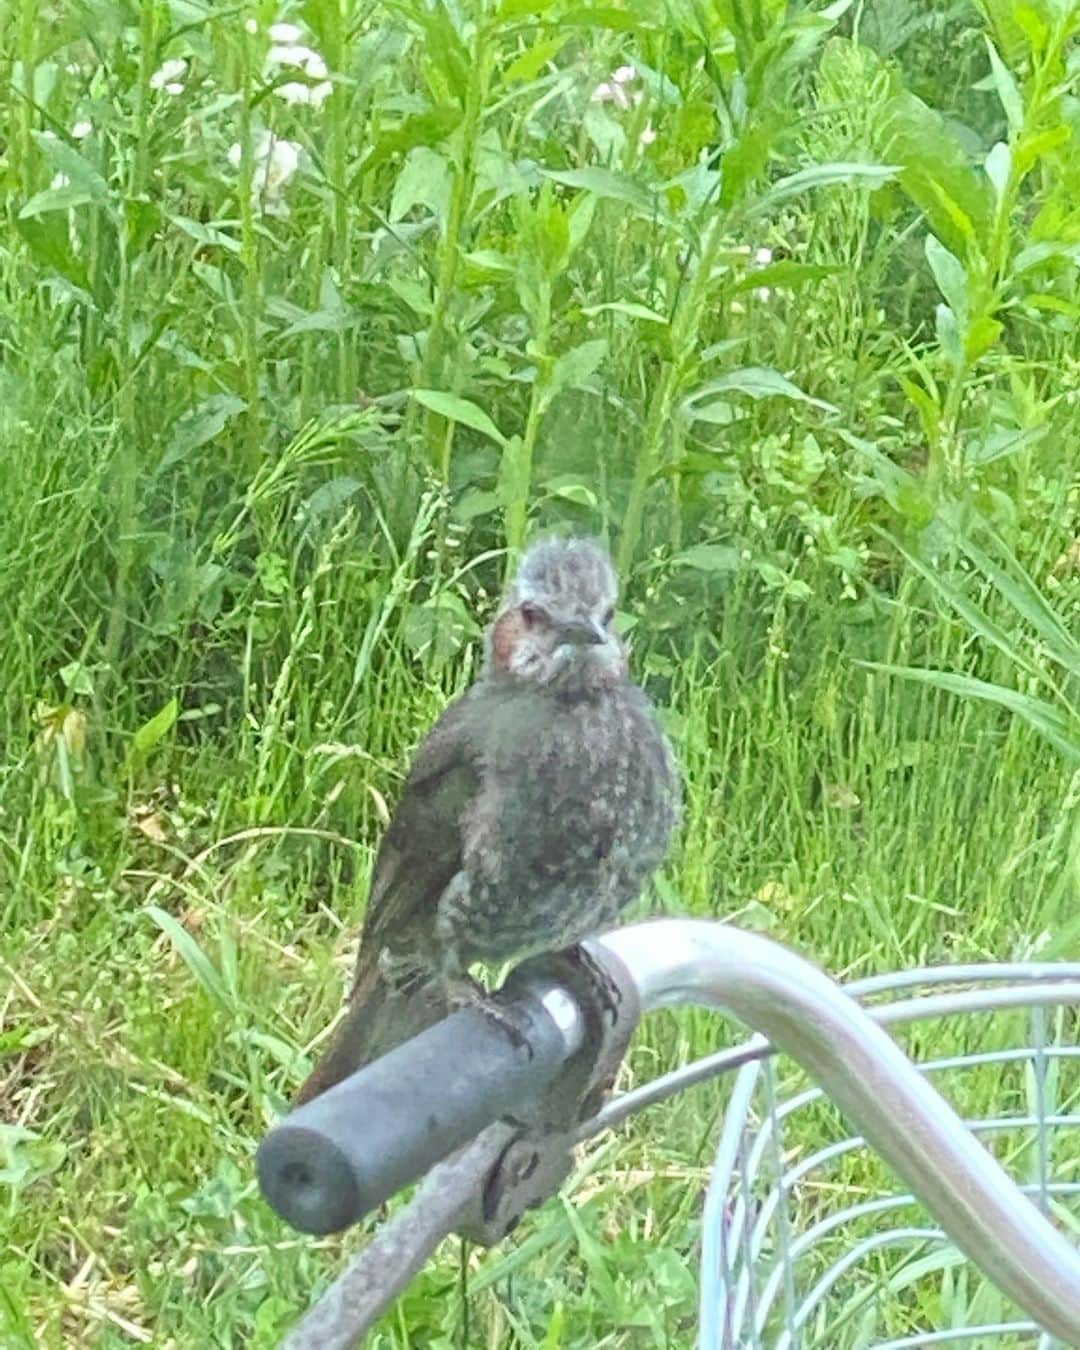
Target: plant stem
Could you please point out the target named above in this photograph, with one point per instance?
(125, 464)
(249, 258)
(684, 327)
(432, 373)
(517, 508)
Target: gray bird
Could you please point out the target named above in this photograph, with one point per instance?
(536, 809)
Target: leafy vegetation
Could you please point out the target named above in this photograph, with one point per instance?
(310, 317)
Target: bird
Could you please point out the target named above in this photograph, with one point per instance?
(535, 810)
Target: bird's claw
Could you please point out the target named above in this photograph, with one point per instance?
(499, 1016)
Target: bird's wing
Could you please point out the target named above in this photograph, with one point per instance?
(421, 850)
(419, 856)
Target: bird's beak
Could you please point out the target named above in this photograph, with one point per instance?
(582, 633)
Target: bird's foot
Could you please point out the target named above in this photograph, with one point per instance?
(462, 991)
(606, 991)
(501, 1016)
(402, 974)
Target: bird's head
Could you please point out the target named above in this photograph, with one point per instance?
(556, 622)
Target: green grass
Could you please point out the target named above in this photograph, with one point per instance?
(267, 449)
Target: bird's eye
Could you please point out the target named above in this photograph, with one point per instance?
(532, 615)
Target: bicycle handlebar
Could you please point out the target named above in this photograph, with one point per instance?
(345, 1152)
(357, 1144)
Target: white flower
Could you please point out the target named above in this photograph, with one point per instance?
(275, 161)
(60, 181)
(295, 92)
(610, 92)
(282, 161)
(293, 55)
(251, 26)
(648, 135)
(284, 32)
(81, 130)
(762, 258)
(303, 58)
(614, 90)
(170, 76)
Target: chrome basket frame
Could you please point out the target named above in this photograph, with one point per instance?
(773, 1277)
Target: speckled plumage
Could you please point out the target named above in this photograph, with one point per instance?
(573, 811)
(536, 808)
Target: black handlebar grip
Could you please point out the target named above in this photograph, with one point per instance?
(349, 1149)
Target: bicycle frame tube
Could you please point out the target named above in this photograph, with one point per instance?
(902, 1117)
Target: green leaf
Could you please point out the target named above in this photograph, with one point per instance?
(204, 233)
(439, 627)
(786, 275)
(514, 474)
(608, 184)
(820, 175)
(426, 128)
(525, 67)
(718, 413)
(758, 382)
(84, 182)
(982, 333)
(489, 260)
(949, 274)
(475, 503)
(569, 488)
(1000, 442)
(948, 335)
(1007, 90)
(709, 558)
(284, 1054)
(936, 170)
(1043, 717)
(1028, 602)
(998, 166)
(322, 321)
(200, 425)
(424, 180)
(579, 219)
(192, 955)
(26, 1156)
(77, 679)
(630, 308)
(516, 9)
(49, 241)
(593, 17)
(574, 367)
(1035, 255)
(57, 199)
(902, 490)
(151, 733)
(457, 409)
(444, 50)
(977, 619)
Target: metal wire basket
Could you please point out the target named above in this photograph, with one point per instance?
(808, 1239)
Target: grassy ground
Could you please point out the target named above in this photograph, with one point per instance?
(273, 420)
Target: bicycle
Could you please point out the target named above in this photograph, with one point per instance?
(787, 1261)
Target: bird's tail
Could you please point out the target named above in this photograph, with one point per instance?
(380, 1016)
